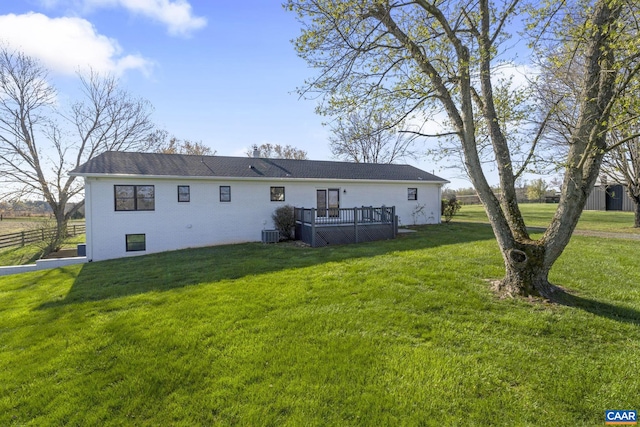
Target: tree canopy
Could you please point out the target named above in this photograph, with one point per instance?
(277, 151)
(173, 145)
(370, 136)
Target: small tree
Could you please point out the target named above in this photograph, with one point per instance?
(450, 208)
(284, 221)
(537, 189)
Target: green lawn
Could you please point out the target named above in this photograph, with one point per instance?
(540, 214)
(402, 332)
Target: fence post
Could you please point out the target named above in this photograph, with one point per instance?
(22, 235)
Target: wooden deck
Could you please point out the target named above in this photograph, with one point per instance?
(343, 226)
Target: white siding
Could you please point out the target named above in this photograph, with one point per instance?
(206, 221)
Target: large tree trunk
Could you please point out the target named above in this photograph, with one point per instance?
(526, 271)
(528, 262)
(636, 202)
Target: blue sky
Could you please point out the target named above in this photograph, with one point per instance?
(220, 72)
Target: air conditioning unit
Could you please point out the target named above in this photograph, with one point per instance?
(270, 236)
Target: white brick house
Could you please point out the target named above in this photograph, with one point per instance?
(140, 203)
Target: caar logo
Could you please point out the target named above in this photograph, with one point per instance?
(620, 418)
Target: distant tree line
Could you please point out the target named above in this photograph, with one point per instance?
(29, 208)
(535, 191)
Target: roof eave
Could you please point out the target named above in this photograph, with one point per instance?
(237, 178)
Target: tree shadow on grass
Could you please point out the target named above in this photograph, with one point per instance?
(601, 309)
(169, 270)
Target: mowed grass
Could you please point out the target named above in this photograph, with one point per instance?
(402, 332)
(540, 215)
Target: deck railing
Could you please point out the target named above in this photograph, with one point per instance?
(321, 227)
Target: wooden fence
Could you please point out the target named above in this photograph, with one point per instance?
(38, 235)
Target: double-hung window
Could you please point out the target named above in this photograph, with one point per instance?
(225, 193)
(412, 194)
(184, 193)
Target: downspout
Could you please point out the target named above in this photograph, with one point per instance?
(88, 218)
(439, 207)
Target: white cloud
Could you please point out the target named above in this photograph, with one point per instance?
(176, 15)
(520, 74)
(66, 45)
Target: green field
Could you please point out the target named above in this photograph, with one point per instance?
(540, 214)
(401, 332)
(15, 225)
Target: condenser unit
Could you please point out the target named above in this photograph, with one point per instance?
(270, 236)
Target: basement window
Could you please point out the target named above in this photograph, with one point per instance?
(136, 242)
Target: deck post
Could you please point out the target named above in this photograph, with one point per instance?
(295, 221)
(355, 223)
(394, 221)
(313, 227)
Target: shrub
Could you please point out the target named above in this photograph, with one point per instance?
(284, 221)
(450, 207)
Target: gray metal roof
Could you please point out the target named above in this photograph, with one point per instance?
(155, 164)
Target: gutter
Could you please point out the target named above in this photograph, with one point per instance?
(235, 178)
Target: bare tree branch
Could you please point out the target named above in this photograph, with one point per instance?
(40, 144)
